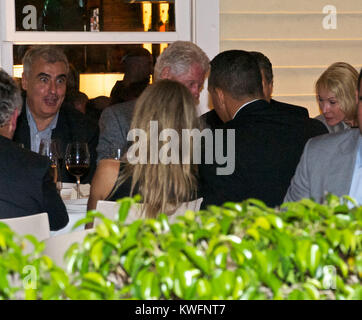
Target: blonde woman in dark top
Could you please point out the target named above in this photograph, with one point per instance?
(336, 95)
(169, 107)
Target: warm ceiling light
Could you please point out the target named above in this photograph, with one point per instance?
(98, 84)
(147, 16)
(18, 70)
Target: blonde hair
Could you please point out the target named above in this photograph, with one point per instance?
(341, 79)
(163, 186)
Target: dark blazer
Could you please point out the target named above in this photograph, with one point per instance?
(296, 110)
(26, 186)
(72, 126)
(268, 146)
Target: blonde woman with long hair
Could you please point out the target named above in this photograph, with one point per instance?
(163, 186)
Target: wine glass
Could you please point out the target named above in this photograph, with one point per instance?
(49, 148)
(77, 161)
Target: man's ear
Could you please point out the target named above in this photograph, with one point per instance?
(271, 87)
(222, 104)
(13, 120)
(221, 97)
(24, 81)
(165, 73)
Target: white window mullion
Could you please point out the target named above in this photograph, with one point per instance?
(51, 37)
(7, 57)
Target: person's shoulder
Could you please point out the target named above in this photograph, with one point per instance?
(211, 119)
(299, 110)
(329, 141)
(24, 160)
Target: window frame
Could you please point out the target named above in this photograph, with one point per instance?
(9, 36)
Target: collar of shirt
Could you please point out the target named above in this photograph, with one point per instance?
(244, 105)
(35, 134)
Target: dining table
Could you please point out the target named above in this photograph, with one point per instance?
(76, 208)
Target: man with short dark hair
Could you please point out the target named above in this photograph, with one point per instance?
(315, 128)
(331, 164)
(26, 186)
(266, 70)
(45, 115)
(268, 142)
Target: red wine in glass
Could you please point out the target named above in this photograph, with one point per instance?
(77, 161)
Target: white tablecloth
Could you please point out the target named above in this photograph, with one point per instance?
(76, 208)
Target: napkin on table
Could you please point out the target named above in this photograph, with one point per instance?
(69, 191)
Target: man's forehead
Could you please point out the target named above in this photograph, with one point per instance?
(41, 65)
(194, 73)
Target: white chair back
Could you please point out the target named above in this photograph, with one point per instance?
(55, 247)
(35, 224)
(110, 210)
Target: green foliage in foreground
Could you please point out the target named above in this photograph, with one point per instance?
(246, 250)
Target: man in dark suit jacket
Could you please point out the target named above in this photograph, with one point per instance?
(45, 116)
(26, 186)
(212, 119)
(268, 142)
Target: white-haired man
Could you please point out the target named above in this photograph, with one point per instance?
(182, 61)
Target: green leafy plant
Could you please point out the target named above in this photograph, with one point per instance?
(303, 250)
(27, 275)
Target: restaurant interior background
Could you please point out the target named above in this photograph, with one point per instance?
(301, 38)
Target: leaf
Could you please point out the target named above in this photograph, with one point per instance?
(96, 253)
(238, 287)
(189, 215)
(254, 233)
(149, 286)
(220, 256)
(203, 288)
(262, 261)
(225, 224)
(334, 236)
(276, 221)
(285, 244)
(234, 206)
(297, 295)
(312, 291)
(258, 203)
(125, 205)
(348, 240)
(81, 222)
(197, 258)
(60, 278)
(102, 230)
(313, 258)
(96, 278)
(2, 242)
(30, 294)
(303, 250)
(262, 223)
